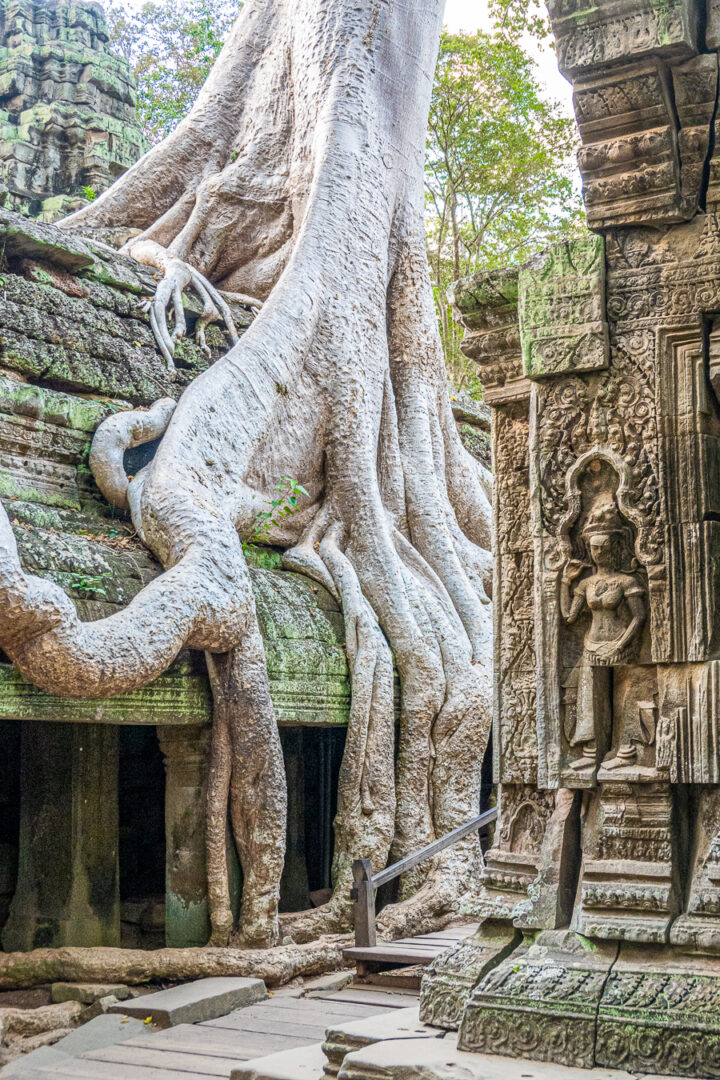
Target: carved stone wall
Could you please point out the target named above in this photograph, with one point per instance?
(67, 106)
(601, 362)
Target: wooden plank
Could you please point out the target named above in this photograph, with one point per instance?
(164, 1059)
(396, 956)
(386, 998)
(388, 978)
(308, 1011)
(81, 1069)
(236, 1022)
(218, 1042)
(444, 842)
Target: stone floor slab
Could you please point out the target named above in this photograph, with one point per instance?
(305, 1064)
(102, 1031)
(203, 999)
(440, 1059)
(343, 1038)
(37, 1059)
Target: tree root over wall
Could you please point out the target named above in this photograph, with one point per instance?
(297, 178)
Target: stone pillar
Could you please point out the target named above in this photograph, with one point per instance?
(68, 880)
(186, 908)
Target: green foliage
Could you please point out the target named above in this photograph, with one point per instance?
(279, 508)
(500, 176)
(172, 44)
(90, 585)
(284, 505)
(88, 193)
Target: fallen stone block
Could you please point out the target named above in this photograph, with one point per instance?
(204, 999)
(440, 1059)
(342, 1039)
(102, 1031)
(87, 993)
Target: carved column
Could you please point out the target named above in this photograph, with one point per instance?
(67, 887)
(185, 749)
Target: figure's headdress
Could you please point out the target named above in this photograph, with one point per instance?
(604, 519)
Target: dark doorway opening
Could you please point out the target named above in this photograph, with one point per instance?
(312, 766)
(141, 806)
(9, 812)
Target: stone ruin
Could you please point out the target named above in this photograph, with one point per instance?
(601, 360)
(67, 107)
(102, 802)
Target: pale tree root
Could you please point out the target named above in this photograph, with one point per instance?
(136, 966)
(288, 181)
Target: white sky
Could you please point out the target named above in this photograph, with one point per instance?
(471, 15)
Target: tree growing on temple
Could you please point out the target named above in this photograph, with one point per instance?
(297, 178)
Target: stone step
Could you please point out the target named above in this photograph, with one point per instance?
(440, 1059)
(343, 1039)
(305, 1064)
(191, 1003)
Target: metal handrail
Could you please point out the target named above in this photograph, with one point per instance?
(367, 883)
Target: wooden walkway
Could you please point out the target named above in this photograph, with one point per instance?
(376, 961)
(290, 1019)
(210, 1050)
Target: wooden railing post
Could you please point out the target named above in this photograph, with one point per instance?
(364, 910)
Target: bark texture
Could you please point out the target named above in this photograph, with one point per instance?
(298, 178)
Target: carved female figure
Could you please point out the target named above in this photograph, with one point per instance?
(614, 599)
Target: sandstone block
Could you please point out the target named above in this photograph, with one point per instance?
(204, 999)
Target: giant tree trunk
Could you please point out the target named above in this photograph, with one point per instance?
(298, 178)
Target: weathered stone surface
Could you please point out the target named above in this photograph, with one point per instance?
(305, 1063)
(660, 1013)
(87, 993)
(102, 1031)
(67, 106)
(592, 36)
(204, 999)
(449, 981)
(343, 1039)
(562, 310)
(645, 98)
(541, 1002)
(440, 1059)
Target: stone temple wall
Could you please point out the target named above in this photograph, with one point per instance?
(75, 346)
(67, 106)
(600, 359)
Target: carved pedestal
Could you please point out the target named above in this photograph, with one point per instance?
(660, 1014)
(630, 887)
(451, 978)
(541, 1002)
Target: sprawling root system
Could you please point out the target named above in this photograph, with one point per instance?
(297, 178)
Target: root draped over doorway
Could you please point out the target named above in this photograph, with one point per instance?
(298, 179)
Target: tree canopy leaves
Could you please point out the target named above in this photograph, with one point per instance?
(172, 44)
(500, 175)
